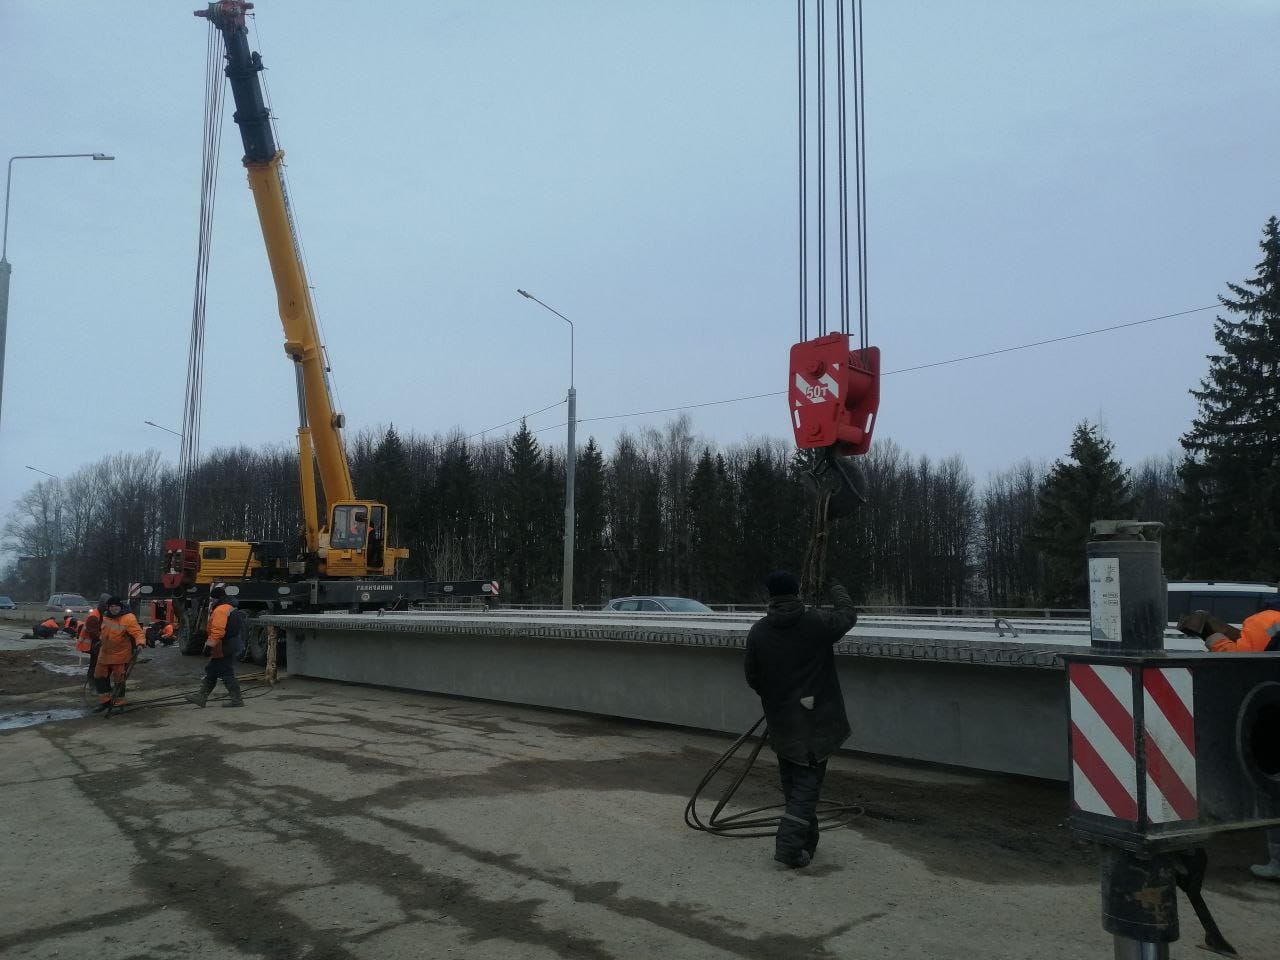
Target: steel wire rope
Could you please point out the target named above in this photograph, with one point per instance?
(842, 168)
(860, 149)
(802, 154)
(822, 168)
(251, 682)
(189, 452)
(746, 824)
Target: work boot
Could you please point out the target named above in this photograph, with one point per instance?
(233, 694)
(793, 859)
(1271, 869)
(202, 695)
(1266, 871)
(102, 705)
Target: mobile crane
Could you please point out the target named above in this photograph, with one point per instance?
(344, 561)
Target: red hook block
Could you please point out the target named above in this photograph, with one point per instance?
(834, 394)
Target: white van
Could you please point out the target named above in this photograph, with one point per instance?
(1231, 600)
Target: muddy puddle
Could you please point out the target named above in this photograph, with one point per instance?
(66, 669)
(31, 718)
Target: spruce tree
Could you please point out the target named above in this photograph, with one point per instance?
(523, 480)
(454, 491)
(1091, 485)
(589, 526)
(770, 524)
(1231, 486)
(711, 526)
(390, 480)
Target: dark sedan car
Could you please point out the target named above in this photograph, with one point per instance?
(657, 605)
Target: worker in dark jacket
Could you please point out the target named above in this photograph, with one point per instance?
(790, 663)
(221, 647)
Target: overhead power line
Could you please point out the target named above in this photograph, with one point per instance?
(1041, 343)
(921, 366)
(523, 416)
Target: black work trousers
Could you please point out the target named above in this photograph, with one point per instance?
(224, 669)
(93, 659)
(801, 786)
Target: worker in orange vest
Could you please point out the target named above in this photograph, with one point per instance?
(46, 629)
(121, 638)
(89, 634)
(221, 647)
(1259, 633)
(70, 625)
(159, 632)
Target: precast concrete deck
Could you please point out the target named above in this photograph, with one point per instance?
(948, 691)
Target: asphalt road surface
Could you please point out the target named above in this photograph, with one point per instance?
(331, 821)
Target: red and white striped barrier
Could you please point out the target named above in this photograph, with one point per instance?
(1112, 743)
(1168, 718)
(1104, 767)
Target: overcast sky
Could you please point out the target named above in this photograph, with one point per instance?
(1034, 169)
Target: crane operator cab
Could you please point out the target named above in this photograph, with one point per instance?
(357, 541)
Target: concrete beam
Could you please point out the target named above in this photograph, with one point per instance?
(959, 696)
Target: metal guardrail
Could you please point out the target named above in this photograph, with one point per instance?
(872, 609)
(904, 610)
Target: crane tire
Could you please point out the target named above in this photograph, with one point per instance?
(255, 639)
(192, 643)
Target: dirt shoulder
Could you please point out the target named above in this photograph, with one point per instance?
(48, 671)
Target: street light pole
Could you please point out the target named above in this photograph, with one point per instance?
(57, 529)
(5, 267)
(571, 463)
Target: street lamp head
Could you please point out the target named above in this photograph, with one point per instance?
(525, 294)
(160, 426)
(103, 156)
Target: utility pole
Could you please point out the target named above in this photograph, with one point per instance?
(570, 463)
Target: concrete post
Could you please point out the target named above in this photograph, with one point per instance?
(57, 538)
(570, 469)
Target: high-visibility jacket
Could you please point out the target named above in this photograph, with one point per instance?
(51, 623)
(119, 637)
(224, 635)
(1258, 634)
(167, 632)
(90, 628)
